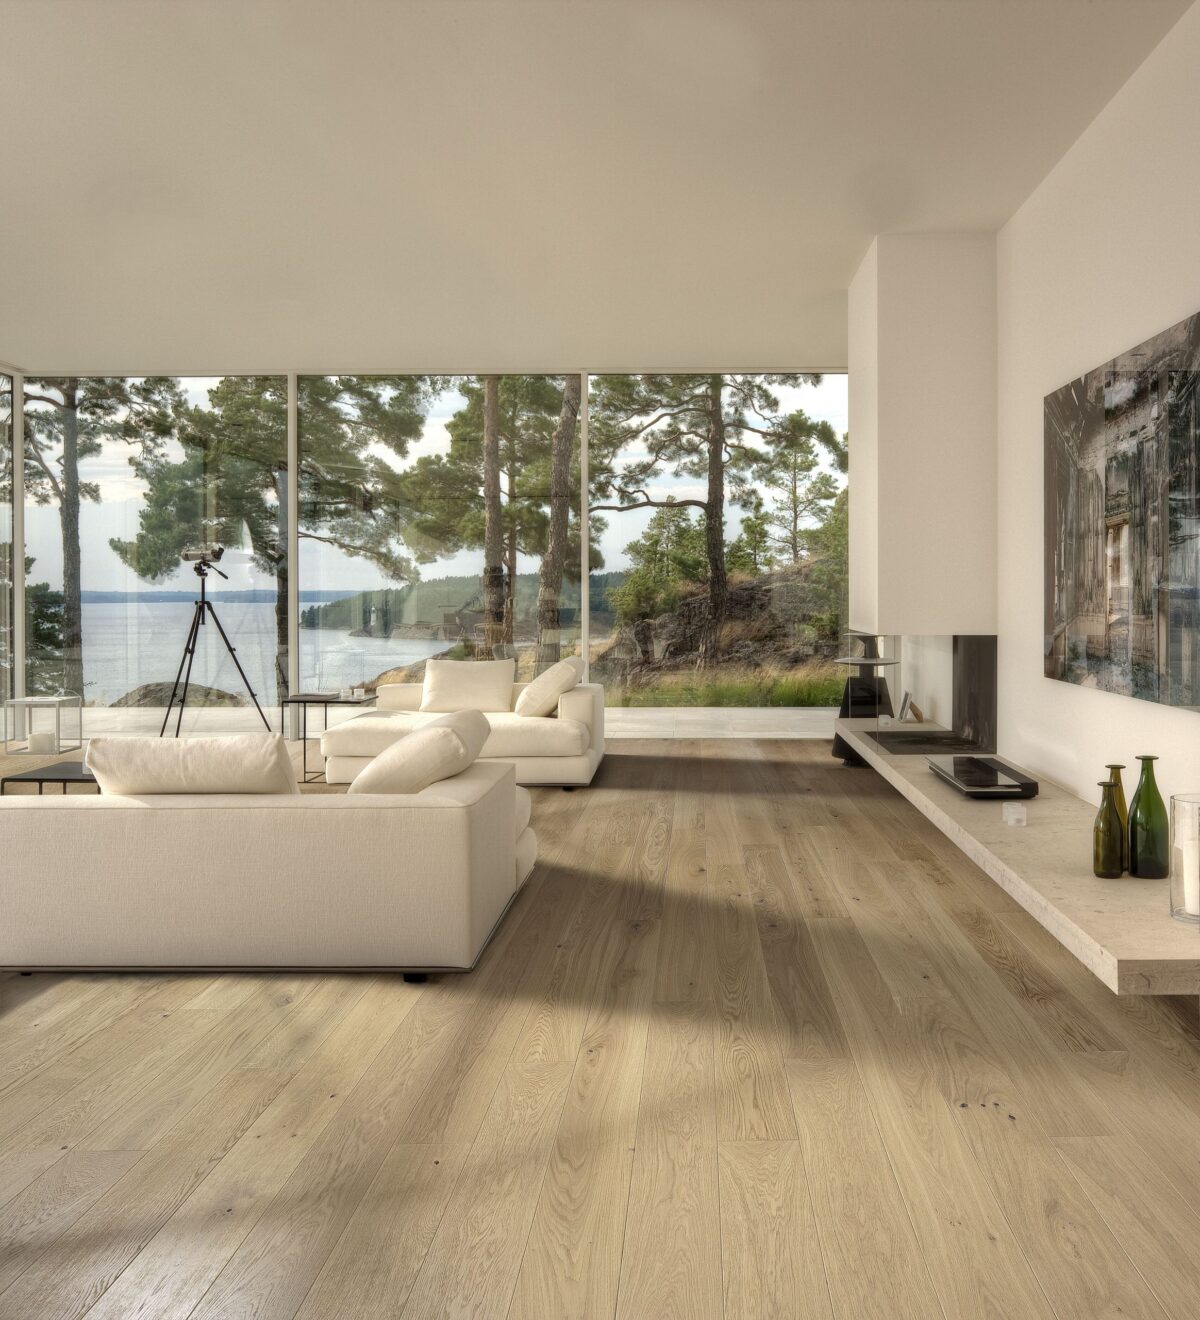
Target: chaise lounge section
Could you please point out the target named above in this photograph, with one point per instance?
(564, 748)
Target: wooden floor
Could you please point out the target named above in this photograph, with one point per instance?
(754, 1041)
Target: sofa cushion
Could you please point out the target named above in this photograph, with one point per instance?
(372, 732)
(484, 685)
(414, 762)
(525, 735)
(540, 697)
(242, 763)
(524, 810)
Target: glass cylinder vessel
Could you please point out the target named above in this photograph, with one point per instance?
(1185, 857)
(1106, 836)
(1149, 828)
(1114, 773)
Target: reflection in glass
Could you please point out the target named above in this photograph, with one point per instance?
(718, 517)
(438, 516)
(6, 537)
(122, 474)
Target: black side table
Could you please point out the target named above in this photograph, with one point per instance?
(62, 772)
(304, 700)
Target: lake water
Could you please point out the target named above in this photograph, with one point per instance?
(128, 644)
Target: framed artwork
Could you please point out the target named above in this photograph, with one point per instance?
(1122, 523)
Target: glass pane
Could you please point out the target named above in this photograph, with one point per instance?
(6, 537)
(411, 489)
(123, 476)
(718, 538)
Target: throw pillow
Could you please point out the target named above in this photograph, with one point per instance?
(541, 696)
(468, 685)
(471, 727)
(244, 763)
(417, 760)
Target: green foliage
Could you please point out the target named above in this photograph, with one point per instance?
(790, 471)
(750, 552)
(668, 555)
(445, 491)
(800, 688)
(43, 639)
(828, 550)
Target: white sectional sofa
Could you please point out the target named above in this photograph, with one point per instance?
(415, 882)
(564, 748)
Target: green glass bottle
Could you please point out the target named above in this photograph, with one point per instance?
(1108, 835)
(1149, 829)
(1114, 773)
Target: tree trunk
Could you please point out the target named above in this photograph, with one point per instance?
(72, 627)
(493, 525)
(550, 575)
(714, 527)
(510, 554)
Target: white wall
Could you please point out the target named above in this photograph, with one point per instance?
(922, 362)
(1104, 254)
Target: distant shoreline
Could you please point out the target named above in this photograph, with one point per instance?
(252, 596)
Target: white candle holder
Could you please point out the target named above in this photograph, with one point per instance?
(1185, 857)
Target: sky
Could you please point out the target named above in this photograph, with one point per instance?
(322, 567)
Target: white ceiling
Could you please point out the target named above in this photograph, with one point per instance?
(197, 186)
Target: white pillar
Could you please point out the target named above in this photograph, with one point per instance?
(922, 393)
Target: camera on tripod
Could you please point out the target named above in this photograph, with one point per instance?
(204, 560)
(206, 554)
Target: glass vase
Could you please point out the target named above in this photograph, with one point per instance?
(1106, 836)
(1185, 857)
(1149, 829)
(1114, 773)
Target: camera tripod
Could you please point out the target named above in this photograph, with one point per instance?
(204, 609)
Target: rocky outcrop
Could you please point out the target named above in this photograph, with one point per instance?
(768, 626)
(158, 694)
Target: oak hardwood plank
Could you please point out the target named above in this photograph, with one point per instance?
(1155, 1227)
(770, 1251)
(752, 1095)
(64, 1283)
(875, 1267)
(1079, 1262)
(31, 1222)
(471, 1266)
(973, 1259)
(670, 1264)
(46, 1124)
(806, 1018)
(372, 1269)
(276, 1015)
(173, 1272)
(572, 1260)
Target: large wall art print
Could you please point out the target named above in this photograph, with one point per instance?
(1122, 523)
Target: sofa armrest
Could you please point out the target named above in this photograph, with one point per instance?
(399, 696)
(585, 703)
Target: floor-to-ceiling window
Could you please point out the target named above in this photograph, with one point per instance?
(122, 476)
(718, 535)
(439, 515)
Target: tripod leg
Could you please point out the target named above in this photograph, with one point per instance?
(188, 647)
(187, 678)
(229, 646)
